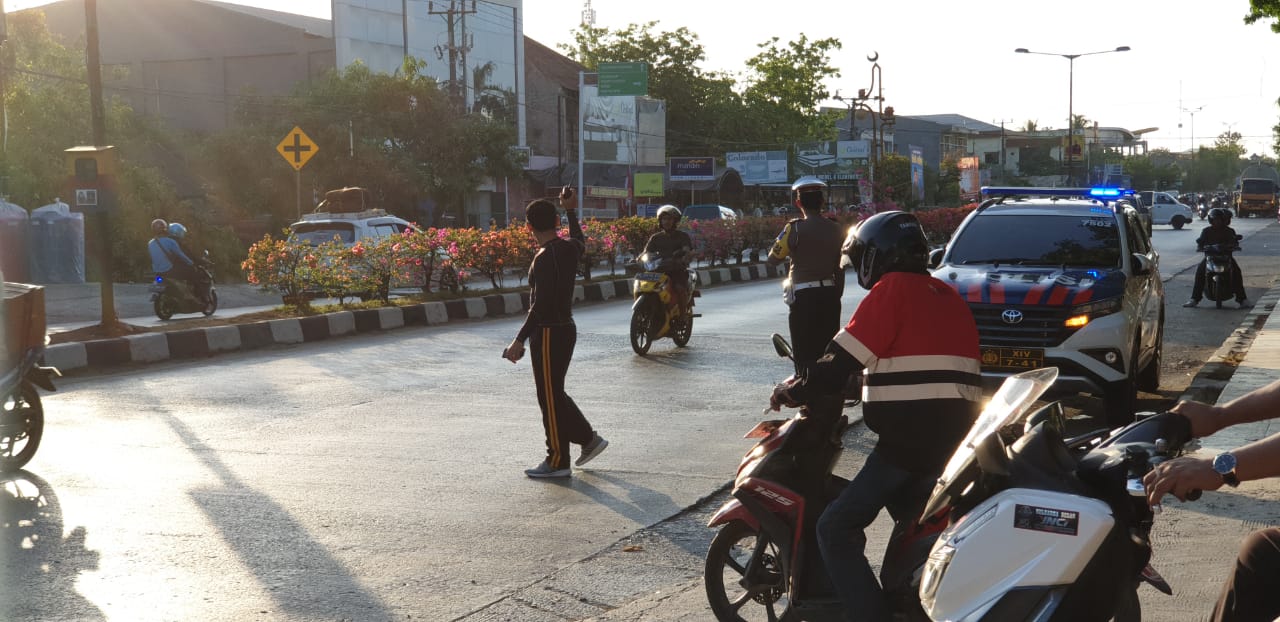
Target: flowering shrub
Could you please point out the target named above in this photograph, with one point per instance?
(447, 256)
(286, 265)
(939, 224)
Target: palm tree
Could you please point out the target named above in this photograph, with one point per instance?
(493, 101)
(1030, 126)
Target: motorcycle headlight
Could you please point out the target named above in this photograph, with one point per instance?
(939, 559)
(650, 264)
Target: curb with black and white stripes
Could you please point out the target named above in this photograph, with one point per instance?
(103, 354)
(1213, 377)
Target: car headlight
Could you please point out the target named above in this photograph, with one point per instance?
(1083, 314)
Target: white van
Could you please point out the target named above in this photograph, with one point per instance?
(1166, 210)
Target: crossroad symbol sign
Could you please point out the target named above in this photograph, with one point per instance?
(297, 148)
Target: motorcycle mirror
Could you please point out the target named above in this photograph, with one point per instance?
(781, 346)
(935, 257)
(1239, 237)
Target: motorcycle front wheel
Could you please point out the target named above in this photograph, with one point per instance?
(641, 318)
(737, 594)
(163, 307)
(212, 306)
(21, 427)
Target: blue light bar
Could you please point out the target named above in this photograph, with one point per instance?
(1096, 193)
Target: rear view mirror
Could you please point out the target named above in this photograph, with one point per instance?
(781, 346)
(1142, 265)
(1239, 237)
(935, 257)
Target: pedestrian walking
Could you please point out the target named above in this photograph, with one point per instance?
(815, 281)
(551, 334)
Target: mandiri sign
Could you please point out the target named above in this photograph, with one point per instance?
(692, 169)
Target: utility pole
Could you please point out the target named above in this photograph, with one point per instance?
(93, 63)
(1004, 170)
(456, 47)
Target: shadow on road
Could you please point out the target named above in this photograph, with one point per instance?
(38, 567)
(300, 574)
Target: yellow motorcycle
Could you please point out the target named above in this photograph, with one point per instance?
(656, 313)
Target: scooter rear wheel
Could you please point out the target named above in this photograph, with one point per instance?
(737, 594)
(21, 427)
(163, 307)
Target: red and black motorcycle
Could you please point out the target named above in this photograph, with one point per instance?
(764, 563)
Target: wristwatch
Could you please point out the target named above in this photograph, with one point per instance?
(1225, 465)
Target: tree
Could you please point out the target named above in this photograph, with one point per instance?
(701, 105)
(1030, 126)
(1155, 170)
(786, 83)
(1264, 10)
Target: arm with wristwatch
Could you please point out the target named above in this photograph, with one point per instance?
(1257, 460)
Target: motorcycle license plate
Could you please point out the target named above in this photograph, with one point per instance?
(652, 277)
(1013, 358)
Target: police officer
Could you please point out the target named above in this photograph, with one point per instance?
(815, 281)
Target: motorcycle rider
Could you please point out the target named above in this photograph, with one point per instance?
(202, 282)
(815, 281)
(917, 341)
(674, 247)
(167, 258)
(1218, 232)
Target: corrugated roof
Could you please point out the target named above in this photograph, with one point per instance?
(958, 120)
(317, 26)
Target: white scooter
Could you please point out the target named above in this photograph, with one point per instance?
(1045, 528)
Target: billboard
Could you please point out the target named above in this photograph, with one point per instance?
(970, 178)
(759, 167)
(648, 185)
(917, 172)
(651, 122)
(609, 128)
(692, 169)
(831, 160)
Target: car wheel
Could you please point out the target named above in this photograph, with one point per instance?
(1177, 222)
(1149, 377)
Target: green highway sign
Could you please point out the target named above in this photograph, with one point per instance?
(623, 79)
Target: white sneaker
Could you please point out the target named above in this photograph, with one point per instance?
(544, 470)
(591, 450)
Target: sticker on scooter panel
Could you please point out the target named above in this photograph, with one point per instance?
(1049, 520)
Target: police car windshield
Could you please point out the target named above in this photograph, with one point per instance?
(1039, 240)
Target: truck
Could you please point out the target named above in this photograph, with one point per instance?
(1256, 196)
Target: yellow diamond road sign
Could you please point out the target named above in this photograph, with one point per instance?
(297, 148)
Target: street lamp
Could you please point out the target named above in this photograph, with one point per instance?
(1193, 129)
(1071, 119)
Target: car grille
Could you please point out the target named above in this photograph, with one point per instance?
(1041, 327)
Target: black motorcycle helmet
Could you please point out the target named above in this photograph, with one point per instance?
(1220, 213)
(886, 242)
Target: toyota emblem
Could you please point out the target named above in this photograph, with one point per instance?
(1011, 316)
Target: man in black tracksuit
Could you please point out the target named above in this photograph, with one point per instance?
(815, 282)
(552, 335)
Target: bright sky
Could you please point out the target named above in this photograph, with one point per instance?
(943, 56)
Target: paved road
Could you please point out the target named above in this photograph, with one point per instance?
(378, 477)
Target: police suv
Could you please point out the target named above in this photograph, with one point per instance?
(1066, 278)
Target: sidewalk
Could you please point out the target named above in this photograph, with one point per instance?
(67, 305)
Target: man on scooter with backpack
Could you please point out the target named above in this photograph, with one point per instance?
(918, 343)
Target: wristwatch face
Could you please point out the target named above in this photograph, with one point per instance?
(1224, 463)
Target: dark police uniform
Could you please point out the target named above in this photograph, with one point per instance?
(552, 336)
(815, 284)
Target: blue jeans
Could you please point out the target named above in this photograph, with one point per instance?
(842, 538)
